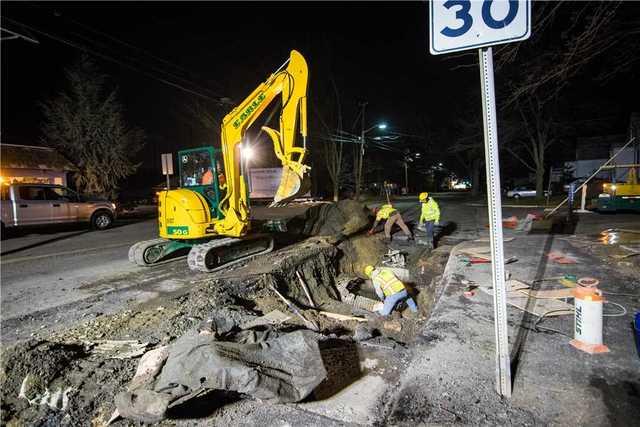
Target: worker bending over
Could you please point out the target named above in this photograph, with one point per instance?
(391, 216)
(429, 215)
(389, 289)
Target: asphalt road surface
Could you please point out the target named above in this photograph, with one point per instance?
(50, 277)
(45, 269)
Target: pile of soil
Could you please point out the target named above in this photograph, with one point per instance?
(335, 220)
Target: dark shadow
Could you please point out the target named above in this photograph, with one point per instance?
(204, 405)
(622, 398)
(12, 233)
(45, 229)
(44, 242)
(79, 228)
(446, 228)
(121, 222)
(342, 361)
(529, 319)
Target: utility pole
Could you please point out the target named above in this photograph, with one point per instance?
(406, 175)
(360, 154)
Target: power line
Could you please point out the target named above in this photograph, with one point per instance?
(110, 58)
(156, 68)
(57, 14)
(179, 78)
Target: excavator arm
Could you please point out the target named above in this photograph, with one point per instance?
(289, 82)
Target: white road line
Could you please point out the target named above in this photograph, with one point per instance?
(77, 251)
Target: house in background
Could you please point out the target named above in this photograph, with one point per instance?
(593, 152)
(26, 163)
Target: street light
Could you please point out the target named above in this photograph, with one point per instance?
(247, 153)
(360, 157)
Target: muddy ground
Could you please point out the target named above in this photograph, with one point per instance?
(65, 381)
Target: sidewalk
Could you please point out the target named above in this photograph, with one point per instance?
(452, 376)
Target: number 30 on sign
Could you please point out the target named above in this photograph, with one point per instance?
(457, 25)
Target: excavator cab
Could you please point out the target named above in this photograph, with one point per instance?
(199, 172)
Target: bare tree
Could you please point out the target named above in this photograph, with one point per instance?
(468, 151)
(333, 147)
(529, 136)
(588, 31)
(330, 117)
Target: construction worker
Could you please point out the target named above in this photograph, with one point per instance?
(429, 215)
(222, 181)
(207, 177)
(389, 289)
(391, 216)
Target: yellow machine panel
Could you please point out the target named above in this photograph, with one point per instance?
(183, 214)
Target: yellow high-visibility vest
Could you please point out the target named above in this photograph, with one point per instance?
(387, 281)
(385, 212)
(430, 211)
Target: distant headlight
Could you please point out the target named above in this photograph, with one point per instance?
(113, 206)
(604, 196)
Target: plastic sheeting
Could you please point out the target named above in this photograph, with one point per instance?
(281, 369)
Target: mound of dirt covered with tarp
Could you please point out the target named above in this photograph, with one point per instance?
(336, 220)
(273, 367)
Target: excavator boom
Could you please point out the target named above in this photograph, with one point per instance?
(290, 83)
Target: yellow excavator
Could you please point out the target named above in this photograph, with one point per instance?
(209, 214)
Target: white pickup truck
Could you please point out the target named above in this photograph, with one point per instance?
(42, 204)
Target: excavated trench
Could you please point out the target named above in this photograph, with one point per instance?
(64, 381)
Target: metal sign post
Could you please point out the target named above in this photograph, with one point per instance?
(167, 166)
(503, 367)
(479, 24)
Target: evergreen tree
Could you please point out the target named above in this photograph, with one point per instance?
(85, 123)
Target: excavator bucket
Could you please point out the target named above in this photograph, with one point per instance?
(291, 186)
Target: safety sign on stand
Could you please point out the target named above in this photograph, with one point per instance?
(457, 25)
(167, 165)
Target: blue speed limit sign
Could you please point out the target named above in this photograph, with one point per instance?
(456, 25)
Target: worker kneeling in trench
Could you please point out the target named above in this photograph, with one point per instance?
(389, 289)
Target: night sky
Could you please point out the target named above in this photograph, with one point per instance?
(377, 52)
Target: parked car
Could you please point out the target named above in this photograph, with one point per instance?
(42, 204)
(518, 192)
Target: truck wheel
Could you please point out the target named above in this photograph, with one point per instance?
(101, 220)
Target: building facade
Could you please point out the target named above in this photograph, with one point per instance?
(31, 164)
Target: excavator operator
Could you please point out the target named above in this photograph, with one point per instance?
(207, 177)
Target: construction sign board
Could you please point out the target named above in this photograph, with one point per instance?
(167, 164)
(264, 182)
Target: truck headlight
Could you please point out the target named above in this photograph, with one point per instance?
(113, 206)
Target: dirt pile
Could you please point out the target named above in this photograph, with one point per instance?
(336, 220)
(360, 251)
(58, 384)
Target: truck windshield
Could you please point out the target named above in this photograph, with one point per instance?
(196, 168)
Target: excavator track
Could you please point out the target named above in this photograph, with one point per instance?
(148, 253)
(222, 253)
